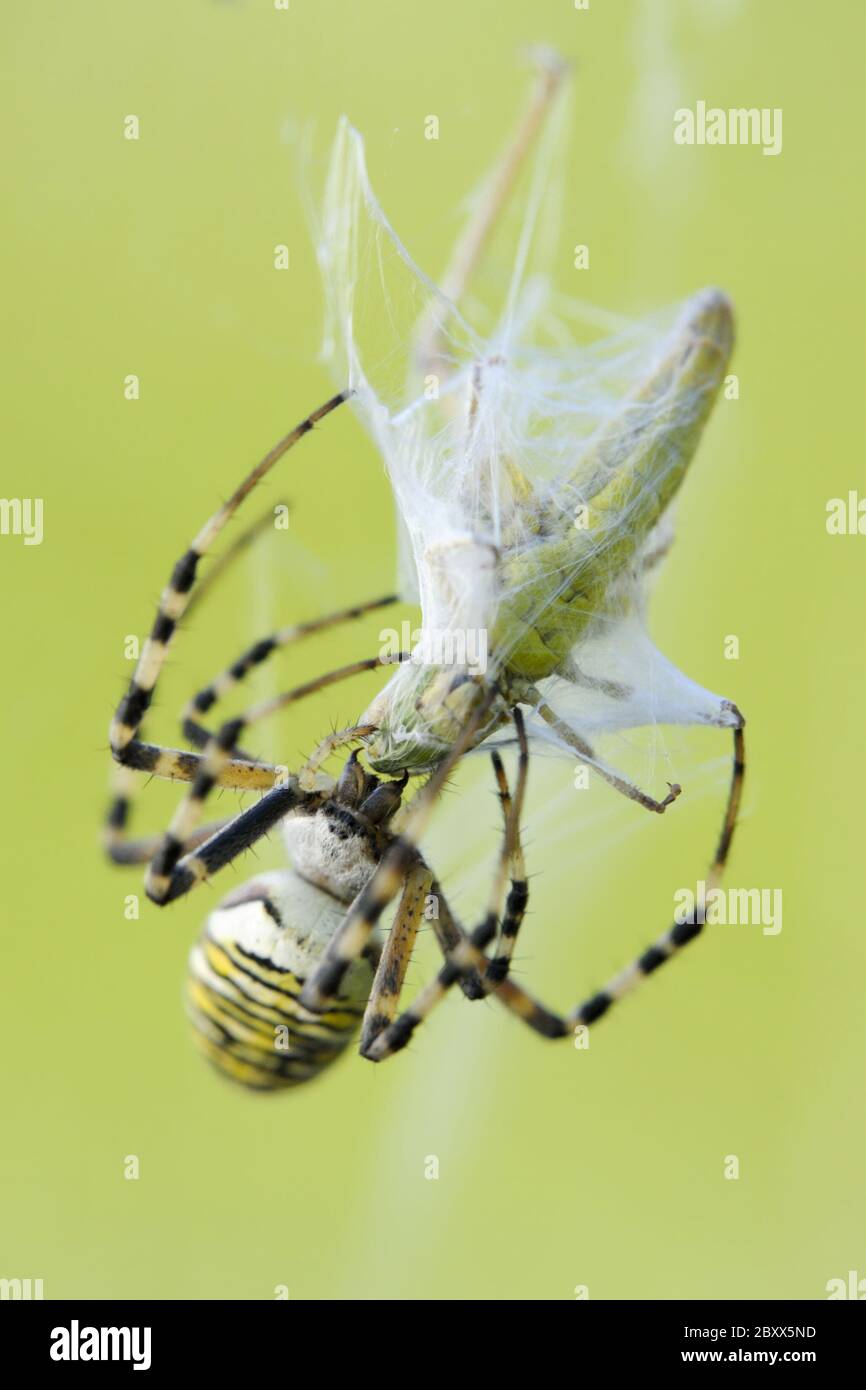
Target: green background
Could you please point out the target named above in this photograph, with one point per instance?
(557, 1167)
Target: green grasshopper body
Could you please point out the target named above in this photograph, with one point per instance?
(571, 554)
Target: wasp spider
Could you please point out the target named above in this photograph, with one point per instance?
(292, 964)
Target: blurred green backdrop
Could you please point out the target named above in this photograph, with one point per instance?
(558, 1168)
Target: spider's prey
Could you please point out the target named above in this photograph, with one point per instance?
(559, 569)
(533, 482)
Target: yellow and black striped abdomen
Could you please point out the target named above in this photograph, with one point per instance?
(246, 973)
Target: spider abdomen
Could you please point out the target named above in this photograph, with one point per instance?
(245, 977)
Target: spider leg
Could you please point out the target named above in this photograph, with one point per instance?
(179, 765)
(259, 652)
(418, 886)
(680, 934)
(466, 956)
(174, 763)
(232, 839)
(463, 960)
(391, 973)
(127, 746)
(310, 771)
(218, 752)
(222, 562)
(363, 916)
(241, 773)
(512, 858)
(236, 774)
(176, 596)
(118, 847)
